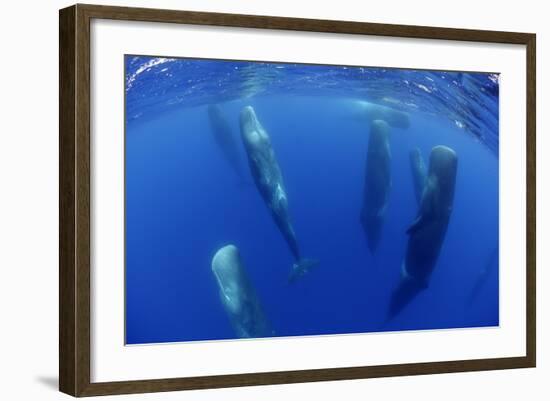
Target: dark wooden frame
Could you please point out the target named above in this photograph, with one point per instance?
(74, 199)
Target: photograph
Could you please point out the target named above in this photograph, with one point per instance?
(250, 198)
(268, 199)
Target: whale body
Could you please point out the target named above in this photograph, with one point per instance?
(372, 111)
(377, 183)
(419, 173)
(238, 296)
(226, 141)
(427, 233)
(269, 181)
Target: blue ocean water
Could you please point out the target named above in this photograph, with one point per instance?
(185, 200)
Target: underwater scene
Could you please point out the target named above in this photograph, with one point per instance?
(267, 199)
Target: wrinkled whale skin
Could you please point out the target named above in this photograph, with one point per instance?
(237, 294)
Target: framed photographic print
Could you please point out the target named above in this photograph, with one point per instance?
(251, 200)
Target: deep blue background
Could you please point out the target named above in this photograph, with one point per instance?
(183, 202)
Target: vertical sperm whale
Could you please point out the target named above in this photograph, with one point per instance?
(427, 233)
(368, 111)
(377, 183)
(483, 275)
(269, 181)
(237, 294)
(226, 141)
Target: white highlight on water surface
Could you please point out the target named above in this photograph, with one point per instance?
(146, 67)
(494, 78)
(424, 88)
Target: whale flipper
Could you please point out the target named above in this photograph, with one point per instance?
(301, 268)
(420, 222)
(414, 226)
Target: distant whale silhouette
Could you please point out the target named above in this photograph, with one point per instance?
(483, 275)
(377, 182)
(225, 139)
(269, 181)
(372, 111)
(427, 233)
(418, 170)
(238, 296)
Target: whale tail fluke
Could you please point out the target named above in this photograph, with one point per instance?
(300, 268)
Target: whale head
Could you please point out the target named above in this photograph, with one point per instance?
(379, 133)
(443, 166)
(443, 158)
(237, 294)
(226, 268)
(248, 116)
(251, 130)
